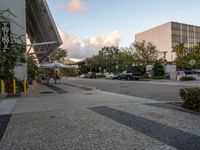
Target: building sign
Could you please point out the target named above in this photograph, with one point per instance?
(5, 35)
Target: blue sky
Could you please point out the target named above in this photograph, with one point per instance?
(97, 20)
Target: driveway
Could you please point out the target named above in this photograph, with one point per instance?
(157, 90)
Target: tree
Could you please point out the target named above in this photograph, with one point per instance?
(58, 55)
(32, 66)
(158, 69)
(69, 71)
(145, 53)
(196, 55)
(197, 49)
(111, 55)
(12, 57)
(181, 50)
(107, 58)
(184, 56)
(125, 59)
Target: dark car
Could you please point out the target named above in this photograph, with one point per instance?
(129, 75)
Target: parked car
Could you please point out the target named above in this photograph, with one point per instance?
(188, 73)
(84, 75)
(129, 75)
(111, 76)
(91, 75)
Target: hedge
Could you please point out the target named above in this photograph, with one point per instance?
(187, 78)
(191, 97)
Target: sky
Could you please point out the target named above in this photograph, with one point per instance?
(86, 26)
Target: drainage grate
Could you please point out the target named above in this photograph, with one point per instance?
(88, 94)
(46, 92)
(55, 88)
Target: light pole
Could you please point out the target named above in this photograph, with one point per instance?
(117, 68)
(126, 68)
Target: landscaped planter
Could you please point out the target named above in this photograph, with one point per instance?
(191, 97)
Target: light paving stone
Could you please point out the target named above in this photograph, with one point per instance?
(63, 121)
(74, 129)
(6, 106)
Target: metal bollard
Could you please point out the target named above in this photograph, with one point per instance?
(14, 87)
(2, 88)
(25, 92)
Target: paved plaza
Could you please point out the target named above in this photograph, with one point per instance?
(76, 117)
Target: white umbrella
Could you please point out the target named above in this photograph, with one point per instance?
(55, 65)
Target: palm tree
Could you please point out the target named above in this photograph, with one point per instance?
(180, 50)
(197, 49)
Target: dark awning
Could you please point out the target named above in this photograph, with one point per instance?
(41, 28)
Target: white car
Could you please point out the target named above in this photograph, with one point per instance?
(110, 76)
(83, 76)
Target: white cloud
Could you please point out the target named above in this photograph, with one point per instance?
(90, 46)
(71, 43)
(106, 40)
(74, 6)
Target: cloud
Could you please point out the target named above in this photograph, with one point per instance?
(93, 44)
(89, 46)
(71, 43)
(106, 40)
(74, 6)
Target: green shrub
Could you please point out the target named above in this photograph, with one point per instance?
(145, 76)
(187, 78)
(158, 77)
(191, 97)
(158, 69)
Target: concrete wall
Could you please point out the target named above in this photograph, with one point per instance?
(16, 14)
(161, 36)
(18, 22)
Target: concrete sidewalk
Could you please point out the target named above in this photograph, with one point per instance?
(82, 119)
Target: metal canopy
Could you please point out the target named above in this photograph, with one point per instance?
(56, 65)
(41, 28)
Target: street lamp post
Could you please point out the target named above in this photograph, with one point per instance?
(117, 67)
(126, 68)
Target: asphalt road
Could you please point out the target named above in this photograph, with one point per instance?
(162, 91)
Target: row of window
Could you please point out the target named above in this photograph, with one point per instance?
(185, 44)
(178, 32)
(177, 26)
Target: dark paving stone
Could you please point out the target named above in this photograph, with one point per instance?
(46, 92)
(123, 86)
(81, 87)
(171, 107)
(4, 119)
(171, 136)
(55, 88)
(88, 94)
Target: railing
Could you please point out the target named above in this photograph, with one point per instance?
(13, 87)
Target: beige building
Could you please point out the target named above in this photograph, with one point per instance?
(168, 35)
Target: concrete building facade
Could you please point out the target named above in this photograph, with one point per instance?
(30, 18)
(168, 35)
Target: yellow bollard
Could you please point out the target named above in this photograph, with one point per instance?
(2, 88)
(14, 87)
(25, 92)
